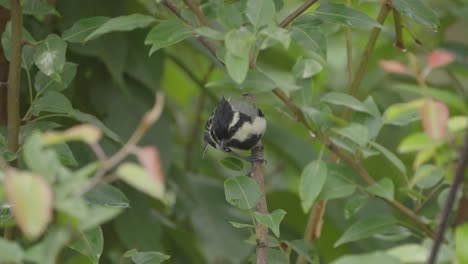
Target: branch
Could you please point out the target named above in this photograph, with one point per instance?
(399, 43)
(261, 229)
(443, 221)
(14, 76)
(197, 11)
(359, 76)
(301, 9)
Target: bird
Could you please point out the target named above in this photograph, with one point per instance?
(235, 124)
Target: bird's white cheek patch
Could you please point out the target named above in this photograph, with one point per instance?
(235, 119)
(257, 127)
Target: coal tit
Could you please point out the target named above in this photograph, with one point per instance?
(235, 125)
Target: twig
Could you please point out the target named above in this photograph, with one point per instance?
(197, 11)
(359, 76)
(301, 9)
(14, 76)
(148, 119)
(443, 220)
(399, 43)
(261, 229)
(314, 225)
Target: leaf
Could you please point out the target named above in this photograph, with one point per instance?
(282, 79)
(312, 181)
(31, 199)
(336, 186)
(276, 256)
(52, 102)
(457, 124)
(232, 163)
(416, 142)
(306, 68)
(239, 42)
(303, 248)
(344, 15)
(461, 240)
(241, 225)
(419, 11)
(11, 252)
(151, 161)
(383, 188)
(229, 14)
(107, 195)
(369, 258)
(150, 257)
(346, 100)
(140, 179)
(210, 33)
(87, 118)
(27, 58)
(121, 23)
(59, 82)
(427, 176)
(86, 133)
(80, 31)
(48, 249)
(50, 55)
(434, 117)
(409, 253)
(390, 156)
(392, 66)
(237, 67)
(260, 12)
(168, 32)
(272, 220)
(274, 35)
(242, 192)
(439, 58)
(365, 228)
(403, 114)
(310, 38)
(357, 133)
(33, 7)
(90, 244)
(354, 204)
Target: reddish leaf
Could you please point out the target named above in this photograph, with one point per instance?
(149, 158)
(392, 66)
(434, 116)
(439, 58)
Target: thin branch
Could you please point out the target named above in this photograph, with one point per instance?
(261, 229)
(14, 76)
(301, 9)
(399, 43)
(314, 225)
(197, 11)
(359, 76)
(443, 220)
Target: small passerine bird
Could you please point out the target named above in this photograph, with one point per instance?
(235, 125)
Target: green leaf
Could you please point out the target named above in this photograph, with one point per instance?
(457, 124)
(273, 35)
(390, 156)
(52, 102)
(357, 133)
(80, 31)
(39, 159)
(306, 68)
(427, 176)
(210, 33)
(383, 188)
(33, 7)
(48, 249)
(90, 244)
(276, 256)
(461, 240)
(11, 252)
(353, 205)
(87, 118)
(419, 11)
(312, 181)
(260, 12)
(50, 55)
(27, 58)
(303, 248)
(370, 258)
(150, 257)
(282, 79)
(107, 195)
(336, 186)
(310, 38)
(168, 32)
(241, 225)
(139, 178)
(346, 100)
(59, 83)
(239, 42)
(409, 253)
(416, 142)
(229, 14)
(404, 113)
(365, 228)
(242, 192)
(31, 199)
(233, 163)
(344, 15)
(272, 220)
(121, 23)
(237, 67)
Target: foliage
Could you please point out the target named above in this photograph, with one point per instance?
(106, 175)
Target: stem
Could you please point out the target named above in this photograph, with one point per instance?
(197, 11)
(384, 10)
(399, 43)
(261, 229)
(301, 9)
(443, 220)
(14, 76)
(314, 225)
